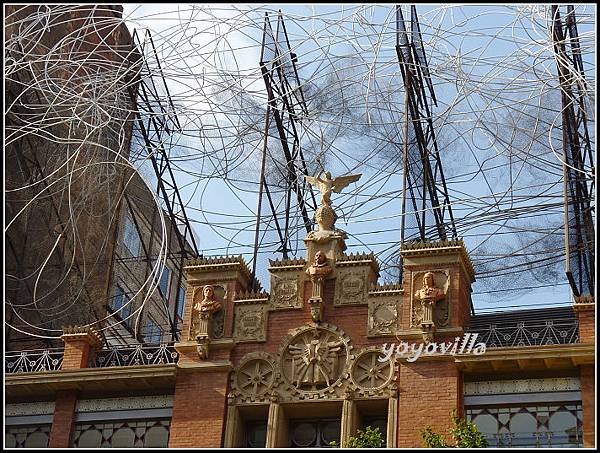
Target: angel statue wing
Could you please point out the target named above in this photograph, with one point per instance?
(312, 180)
(342, 181)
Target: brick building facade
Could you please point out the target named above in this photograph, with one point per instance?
(300, 367)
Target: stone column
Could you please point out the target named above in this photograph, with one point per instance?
(350, 420)
(80, 346)
(277, 426)
(392, 426)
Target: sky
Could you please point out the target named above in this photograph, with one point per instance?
(494, 75)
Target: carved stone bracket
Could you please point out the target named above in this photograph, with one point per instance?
(316, 309)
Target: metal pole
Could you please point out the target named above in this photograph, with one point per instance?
(404, 175)
(260, 193)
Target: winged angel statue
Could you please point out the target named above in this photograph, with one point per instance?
(327, 185)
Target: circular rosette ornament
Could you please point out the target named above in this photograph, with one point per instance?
(368, 373)
(315, 358)
(255, 375)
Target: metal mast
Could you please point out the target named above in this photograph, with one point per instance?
(577, 154)
(157, 122)
(286, 105)
(429, 208)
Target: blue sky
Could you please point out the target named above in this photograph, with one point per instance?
(491, 66)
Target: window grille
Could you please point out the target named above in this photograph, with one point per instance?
(122, 434)
(27, 436)
(523, 426)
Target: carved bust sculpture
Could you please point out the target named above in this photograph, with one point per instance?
(208, 305)
(429, 292)
(202, 312)
(319, 268)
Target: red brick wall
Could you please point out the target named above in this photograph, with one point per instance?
(199, 410)
(587, 325)
(64, 417)
(77, 354)
(588, 396)
(428, 391)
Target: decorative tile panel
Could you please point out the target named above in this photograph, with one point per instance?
(286, 290)
(384, 315)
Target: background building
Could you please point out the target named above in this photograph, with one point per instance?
(85, 232)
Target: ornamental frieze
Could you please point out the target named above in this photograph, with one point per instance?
(314, 362)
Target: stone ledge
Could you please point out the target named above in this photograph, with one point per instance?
(221, 343)
(418, 334)
(89, 380)
(205, 366)
(530, 357)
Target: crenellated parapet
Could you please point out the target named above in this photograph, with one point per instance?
(385, 289)
(286, 264)
(251, 297)
(435, 249)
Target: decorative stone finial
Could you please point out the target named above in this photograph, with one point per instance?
(325, 214)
